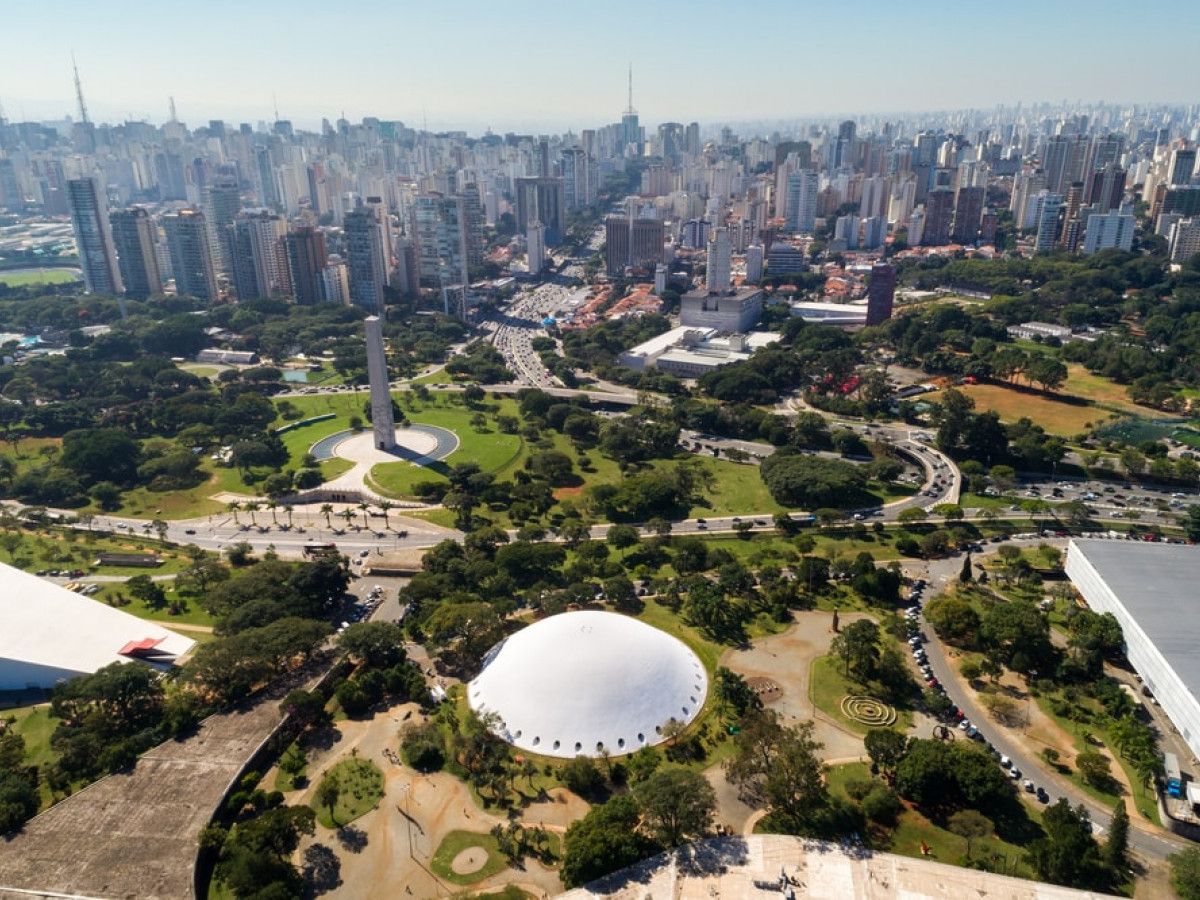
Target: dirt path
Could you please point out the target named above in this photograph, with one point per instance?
(415, 815)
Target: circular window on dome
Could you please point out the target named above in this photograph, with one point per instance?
(684, 708)
(517, 734)
(578, 746)
(621, 742)
(557, 744)
(599, 746)
(641, 738)
(536, 741)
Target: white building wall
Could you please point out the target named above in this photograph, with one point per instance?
(1174, 697)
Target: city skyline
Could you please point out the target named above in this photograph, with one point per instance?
(888, 60)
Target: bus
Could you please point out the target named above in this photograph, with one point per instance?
(1174, 778)
(314, 548)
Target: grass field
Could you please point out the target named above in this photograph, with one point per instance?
(22, 277)
(360, 785)
(35, 725)
(1056, 416)
(827, 686)
(70, 549)
(1082, 383)
(455, 843)
(194, 614)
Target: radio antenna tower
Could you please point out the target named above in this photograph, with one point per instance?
(629, 109)
(173, 116)
(83, 113)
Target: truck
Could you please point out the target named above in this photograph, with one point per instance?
(1174, 778)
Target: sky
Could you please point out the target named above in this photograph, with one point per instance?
(536, 64)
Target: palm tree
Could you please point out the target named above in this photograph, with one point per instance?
(326, 511)
(233, 506)
(252, 508)
(272, 506)
(287, 510)
(384, 506)
(348, 515)
(364, 507)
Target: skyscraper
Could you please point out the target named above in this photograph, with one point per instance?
(1106, 230)
(441, 240)
(717, 277)
(542, 199)
(134, 238)
(1183, 164)
(366, 260)
(306, 259)
(881, 292)
(535, 244)
(383, 423)
(968, 210)
(1049, 205)
(801, 204)
(1106, 188)
(260, 267)
(191, 254)
(89, 217)
(754, 263)
(939, 211)
(616, 245)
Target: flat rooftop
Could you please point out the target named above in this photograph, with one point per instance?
(747, 867)
(1158, 584)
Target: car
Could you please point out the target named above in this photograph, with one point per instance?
(189, 531)
(703, 526)
(964, 724)
(1014, 773)
(1005, 762)
(1028, 785)
(364, 553)
(702, 521)
(1042, 796)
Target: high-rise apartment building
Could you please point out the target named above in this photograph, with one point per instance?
(307, 259)
(367, 261)
(646, 238)
(1108, 230)
(1049, 206)
(968, 211)
(442, 246)
(135, 238)
(260, 266)
(93, 241)
(1106, 188)
(191, 254)
(1184, 240)
(335, 284)
(717, 274)
(616, 245)
(1063, 160)
(754, 263)
(801, 204)
(1183, 164)
(939, 213)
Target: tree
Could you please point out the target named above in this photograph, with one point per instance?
(677, 805)
(622, 536)
(146, 590)
(603, 841)
(734, 695)
(377, 645)
(101, 454)
(1068, 854)
(954, 619)
(1094, 767)
(1116, 846)
(964, 574)
(19, 799)
(885, 747)
(812, 482)
(969, 824)
(582, 776)
(858, 646)
(327, 794)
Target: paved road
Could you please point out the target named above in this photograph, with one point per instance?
(1155, 844)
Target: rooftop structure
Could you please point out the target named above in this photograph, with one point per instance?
(838, 314)
(51, 634)
(588, 682)
(743, 867)
(691, 352)
(738, 310)
(1151, 590)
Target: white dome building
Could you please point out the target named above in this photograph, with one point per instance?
(586, 682)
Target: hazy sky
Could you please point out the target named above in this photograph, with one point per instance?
(525, 64)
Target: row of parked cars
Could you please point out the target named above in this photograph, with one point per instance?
(955, 715)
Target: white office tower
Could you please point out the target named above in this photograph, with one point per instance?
(491, 208)
(1024, 203)
(754, 263)
(916, 227)
(801, 203)
(1105, 231)
(660, 279)
(535, 242)
(717, 277)
(382, 422)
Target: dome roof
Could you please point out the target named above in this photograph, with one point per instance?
(583, 682)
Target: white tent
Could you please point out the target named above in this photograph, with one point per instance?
(588, 682)
(49, 634)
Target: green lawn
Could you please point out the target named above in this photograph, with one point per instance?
(35, 725)
(22, 277)
(64, 548)
(195, 614)
(827, 686)
(457, 841)
(361, 788)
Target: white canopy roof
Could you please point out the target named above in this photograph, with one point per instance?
(49, 634)
(583, 682)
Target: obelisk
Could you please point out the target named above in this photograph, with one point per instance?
(381, 397)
